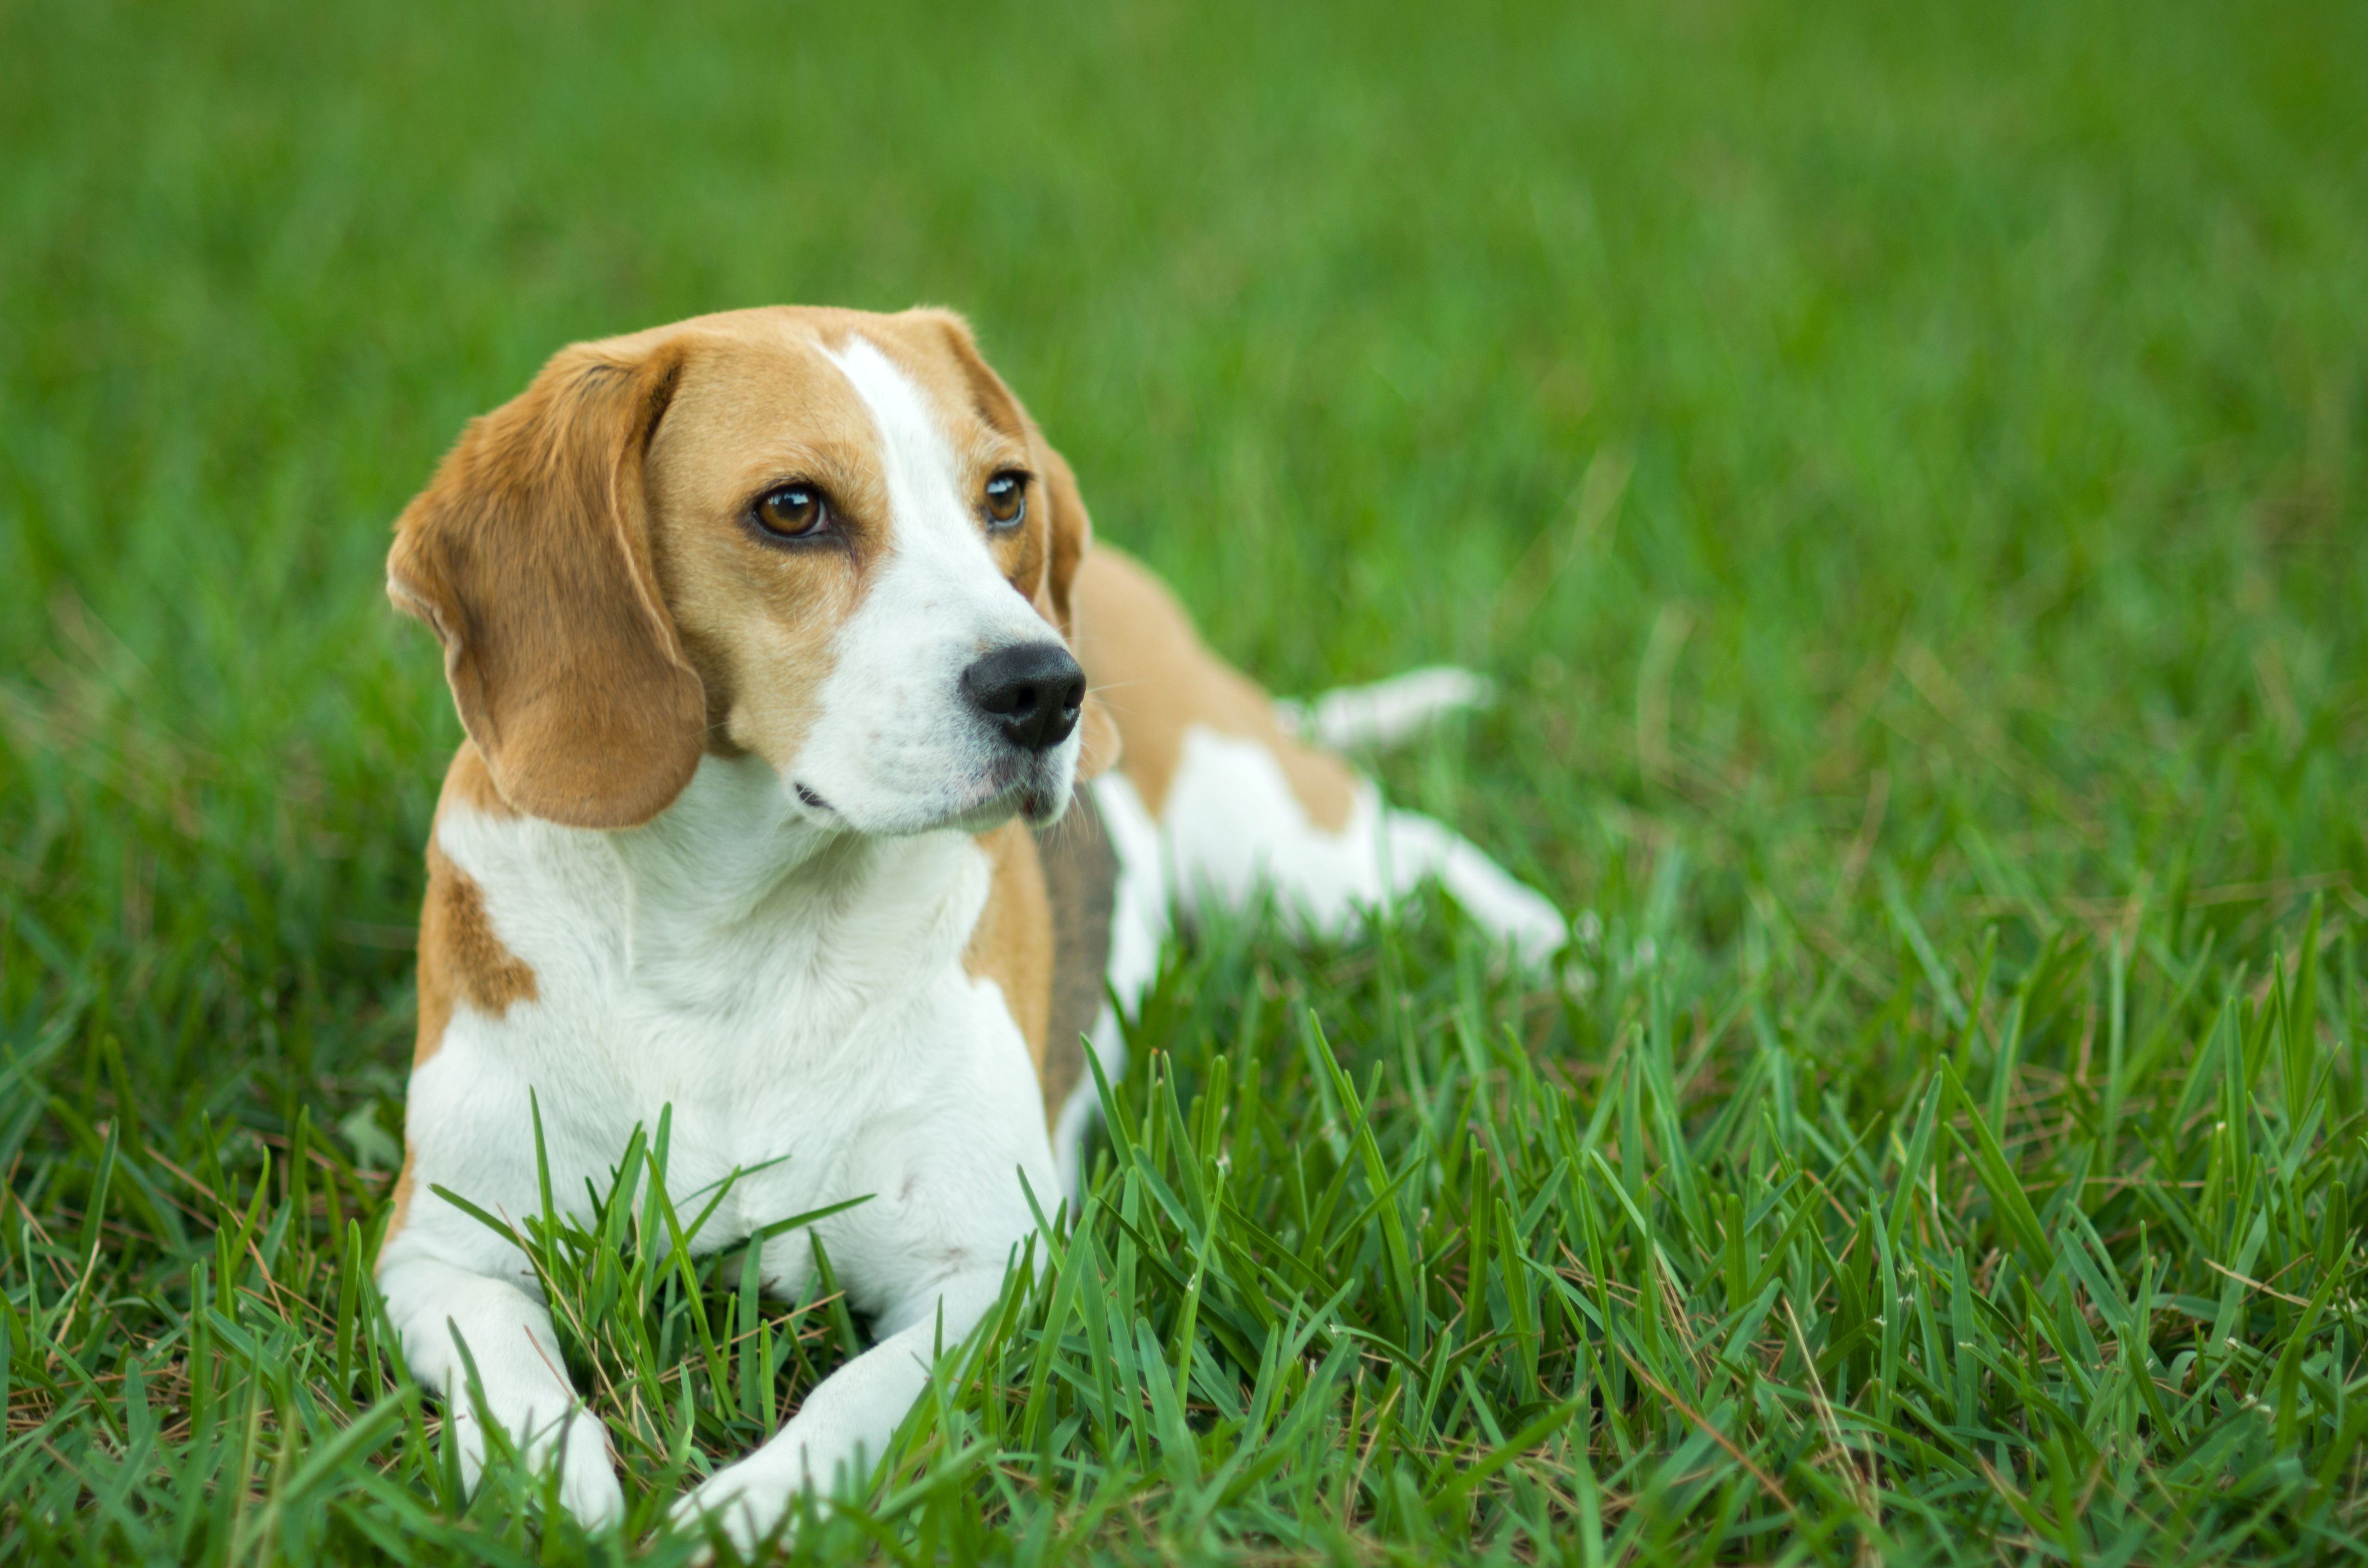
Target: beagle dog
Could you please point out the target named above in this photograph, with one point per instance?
(781, 645)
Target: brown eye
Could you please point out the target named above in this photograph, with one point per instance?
(793, 511)
(1006, 500)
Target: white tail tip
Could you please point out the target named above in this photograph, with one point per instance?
(1387, 711)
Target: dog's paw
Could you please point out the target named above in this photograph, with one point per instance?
(746, 1500)
(587, 1482)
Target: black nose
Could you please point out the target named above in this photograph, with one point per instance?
(1030, 692)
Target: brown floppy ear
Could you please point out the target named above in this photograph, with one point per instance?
(1071, 535)
(528, 554)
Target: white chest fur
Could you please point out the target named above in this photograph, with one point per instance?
(797, 999)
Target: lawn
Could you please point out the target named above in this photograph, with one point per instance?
(1903, 463)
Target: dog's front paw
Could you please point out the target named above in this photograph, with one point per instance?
(749, 1500)
(587, 1484)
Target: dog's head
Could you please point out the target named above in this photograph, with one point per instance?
(831, 539)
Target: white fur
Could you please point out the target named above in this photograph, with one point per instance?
(897, 747)
(789, 979)
(1387, 711)
(787, 990)
(1232, 825)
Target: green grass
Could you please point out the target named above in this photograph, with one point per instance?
(1904, 464)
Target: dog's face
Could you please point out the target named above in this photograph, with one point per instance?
(831, 539)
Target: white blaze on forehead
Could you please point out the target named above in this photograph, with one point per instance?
(896, 745)
(928, 512)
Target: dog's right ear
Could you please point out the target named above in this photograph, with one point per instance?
(1072, 535)
(528, 554)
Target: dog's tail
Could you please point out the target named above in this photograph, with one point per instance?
(1386, 712)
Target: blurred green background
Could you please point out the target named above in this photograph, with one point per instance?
(2023, 347)
(1896, 457)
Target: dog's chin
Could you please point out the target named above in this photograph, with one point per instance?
(1037, 792)
(1038, 796)
(1042, 809)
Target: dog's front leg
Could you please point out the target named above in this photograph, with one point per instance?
(509, 1333)
(845, 1423)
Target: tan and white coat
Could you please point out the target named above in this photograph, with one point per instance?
(726, 838)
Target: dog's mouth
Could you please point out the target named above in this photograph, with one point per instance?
(1033, 799)
(1030, 791)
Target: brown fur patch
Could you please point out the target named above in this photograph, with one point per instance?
(457, 936)
(1012, 943)
(461, 957)
(1072, 531)
(1149, 667)
(761, 406)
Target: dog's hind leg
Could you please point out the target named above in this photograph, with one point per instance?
(1239, 803)
(1232, 825)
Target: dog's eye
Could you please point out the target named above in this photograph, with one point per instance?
(1006, 500)
(793, 511)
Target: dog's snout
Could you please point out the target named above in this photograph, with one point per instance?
(1031, 691)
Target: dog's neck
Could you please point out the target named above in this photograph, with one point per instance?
(733, 863)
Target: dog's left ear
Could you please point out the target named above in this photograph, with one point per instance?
(1072, 535)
